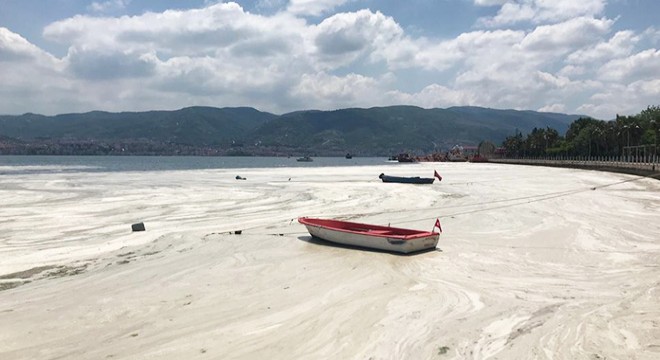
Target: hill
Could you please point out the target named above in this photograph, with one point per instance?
(191, 126)
(387, 130)
(376, 131)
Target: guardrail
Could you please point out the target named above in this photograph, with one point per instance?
(638, 166)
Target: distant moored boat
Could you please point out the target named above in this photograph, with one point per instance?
(405, 180)
(405, 158)
(409, 179)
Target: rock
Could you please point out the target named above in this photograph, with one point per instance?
(138, 227)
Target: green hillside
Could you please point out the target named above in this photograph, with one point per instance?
(387, 130)
(191, 126)
(366, 132)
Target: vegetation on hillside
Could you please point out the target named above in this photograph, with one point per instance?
(379, 131)
(590, 137)
(396, 129)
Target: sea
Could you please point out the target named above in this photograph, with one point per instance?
(32, 164)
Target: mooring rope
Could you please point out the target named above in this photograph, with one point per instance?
(530, 199)
(510, 203)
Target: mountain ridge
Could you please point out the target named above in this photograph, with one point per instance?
(246, 130)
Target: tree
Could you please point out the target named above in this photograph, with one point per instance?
(552, 138)
(651, 121)
(590, 137)
(513, 145)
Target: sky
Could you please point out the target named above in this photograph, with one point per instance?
(589, 57)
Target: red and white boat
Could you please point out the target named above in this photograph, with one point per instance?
(371, 236)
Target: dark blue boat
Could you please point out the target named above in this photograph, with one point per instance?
(405, 180)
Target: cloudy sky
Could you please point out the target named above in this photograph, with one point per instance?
(593, 57)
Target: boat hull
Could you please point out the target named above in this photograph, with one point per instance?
(373, 237)
(406, 180)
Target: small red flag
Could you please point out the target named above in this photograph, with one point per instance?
(437, 225)
(435, 173)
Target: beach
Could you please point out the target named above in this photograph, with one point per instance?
(533, 263)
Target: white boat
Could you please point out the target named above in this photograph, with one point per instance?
(371, 236)
(457, 154)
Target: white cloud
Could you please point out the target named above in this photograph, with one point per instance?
(32, 80)
(108, 6)
(14, 47)
(566, 36)
(269, 5)
(553, 108)
(174, 31)
(433, 96)
(101, 65)
(475, 49)
(510, 13)
(552, 80)
(215, 54)
(327, 91)
(573, 70)
(623, 99)
(313, 7)
(343, 38)
(640, 66)
(223, 32)
(652, 34)
(489, 2)
(540, 11)
(621, 44)
(512, 69)
(485, 46)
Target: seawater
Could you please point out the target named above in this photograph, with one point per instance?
(10, 164)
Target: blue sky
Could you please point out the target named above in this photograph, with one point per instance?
(593, 57)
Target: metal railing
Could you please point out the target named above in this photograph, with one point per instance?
(649, 163)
